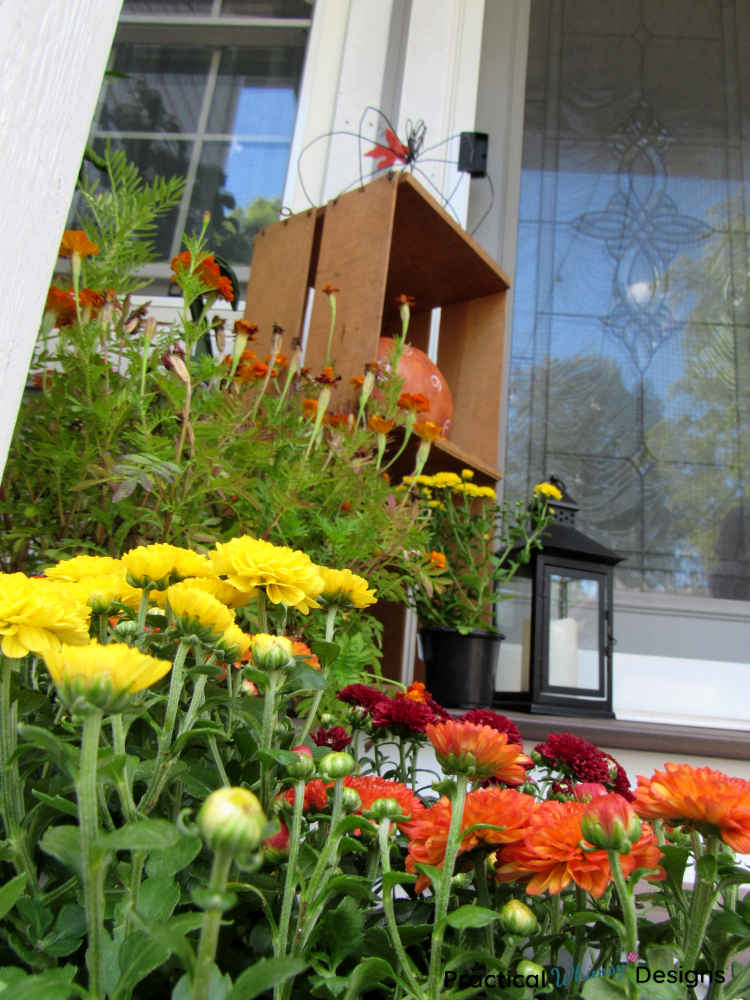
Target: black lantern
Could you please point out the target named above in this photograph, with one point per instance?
(557, 656)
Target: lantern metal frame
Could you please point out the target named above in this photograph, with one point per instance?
(575, 555)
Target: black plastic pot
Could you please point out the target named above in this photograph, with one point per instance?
(460, 669)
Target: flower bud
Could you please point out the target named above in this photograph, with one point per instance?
(337, 765)
(272, 652)
(386, 808)
(610, 822)
(518, 918)
(350, 800)
(527, 968)
(232, 818)
(304, 765)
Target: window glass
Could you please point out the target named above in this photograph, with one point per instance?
(631, 325)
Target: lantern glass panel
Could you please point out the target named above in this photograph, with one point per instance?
(514, 615)
(574, 632)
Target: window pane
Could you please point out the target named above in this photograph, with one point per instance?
(240, 184)
(167, 7)
(267, 8)
(162, 90)
(630, 355)
(256, 92)
(573, 638)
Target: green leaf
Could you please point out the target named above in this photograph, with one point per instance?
(368, 974)
(10, 893)
(264, 975)
(139, 954)
(706, 868)
(729, 923)
(471, 916)
(350, 885)
(54, 984)
(603, 989)
(144, 835)
(157, 899)
(303, 678)
(390, 879)
(57, 802)
(63, 843)
(326, 652)
(173, 859)
(58, 750)
(67, 933)
(433, 873)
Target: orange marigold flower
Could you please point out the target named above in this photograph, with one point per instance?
(62, 304)
(416, 692)
(249, 330)
(250, 372)
(208, 272)
(415, 401)
(551, 853)
(302, 650)
(428, 431)
(224, 288)
(428, 831)
(700, 797)
(280, 361)
(405, 300)
(358, 381)
(91, 300)
(309, 407)
(329, 289)
(336, 419)
(327, 376)
(478, 751)
(438, 560)
(76, 241)
(379, 425)
(247, 355)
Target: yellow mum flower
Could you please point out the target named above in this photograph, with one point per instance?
(36, 615)
(101, 591)
(470, 490)
(272, 652)
(197, 613)
(102, 676)
(212, 585)
(548, 490)
(288, 576)
(235, 643)
(80, 566)
(159, 565)
(467, 473)
(446, 480)
(345, 589)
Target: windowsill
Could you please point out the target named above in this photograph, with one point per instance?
(698, 741)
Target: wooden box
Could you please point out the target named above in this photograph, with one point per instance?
(373, 244)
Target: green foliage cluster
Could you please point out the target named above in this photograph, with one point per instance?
(131, 432)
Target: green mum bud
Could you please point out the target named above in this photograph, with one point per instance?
(304, 766)
(232, 818)
(385, 809)
(518, 918)
(272, 652)
(337, 765)
(350, 800)
(527, 968)
(610, 822)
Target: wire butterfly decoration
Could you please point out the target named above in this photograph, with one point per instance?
(388, 152)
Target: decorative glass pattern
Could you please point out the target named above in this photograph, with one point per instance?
(631, 354)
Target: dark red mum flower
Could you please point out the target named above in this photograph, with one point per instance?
(336, 738)
(582, 761)
(361, 694)
(402, 715)
(484, 717)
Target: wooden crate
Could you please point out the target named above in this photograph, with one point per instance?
(373, 244)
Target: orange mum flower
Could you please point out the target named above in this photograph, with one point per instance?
(428, 431)
(371, 787)
(76, 241)
(416, 692)
(301, 649)
(415, 401)
(309, 407)
(379, 425)
(315, 799)
(707, 800)
(428, 831)
(438, 560)
(552, 855)
(478, 751)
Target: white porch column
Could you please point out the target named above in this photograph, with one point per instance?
(53, 55)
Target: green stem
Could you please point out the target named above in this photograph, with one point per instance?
(483, 895)
(579, 941)
(211, 924)
(262, 616)
(142, 610)
(124, 787)
(703, 900)
(158, 778)
(407, 966)
(266, 735)
(317, 698)
(196, 702)
(218, 761)
(443, 888)
(627, 905)
(11, 798)
(313, 900)
(290, 879)
(92, 870)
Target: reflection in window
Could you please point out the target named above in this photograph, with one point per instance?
(219, 113)
(631, 346)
